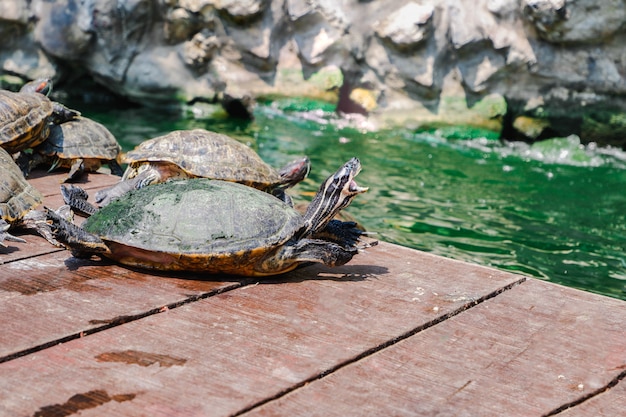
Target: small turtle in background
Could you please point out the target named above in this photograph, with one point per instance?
(26, 116)
(219, 227)
(82, 145)
(201, 153)
(39, 85)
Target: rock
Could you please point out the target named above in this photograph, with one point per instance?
(241, 10)
(62, 28)
(530, 127)
(15, 11)
(415, 62)
(582, 21)
(198, 52)
(180, 25)
(406, 27)
(120, 34)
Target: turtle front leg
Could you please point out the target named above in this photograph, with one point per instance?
(76, 198)
(81, 243)
(344, 233)
(76, 170)
(27, 161)
(36, 220)
(145, 178)
(288, 257)
(115, 167)
(283, 196)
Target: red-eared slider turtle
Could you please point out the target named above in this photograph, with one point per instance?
(25, 116)
(201, 153)
(39, 85)
(18, 200)
(80, 145)
(219, 227)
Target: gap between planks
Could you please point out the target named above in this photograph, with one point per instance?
(588, 396)
(120, 320)
(117, 321)
(381, 347)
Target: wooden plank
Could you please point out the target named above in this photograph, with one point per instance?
(220, 355)
(528, 351)
(610, 403)
(35, 245)
(55, 296)
(49, 183)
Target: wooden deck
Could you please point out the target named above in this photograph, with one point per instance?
(396, 332)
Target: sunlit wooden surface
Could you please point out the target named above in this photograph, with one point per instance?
(396, 332)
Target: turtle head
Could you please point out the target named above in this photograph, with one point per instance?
(294, 172)
(39, 85)
(334, 194)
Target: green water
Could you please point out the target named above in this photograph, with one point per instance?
(554, 211)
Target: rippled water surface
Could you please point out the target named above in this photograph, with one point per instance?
(554, 210)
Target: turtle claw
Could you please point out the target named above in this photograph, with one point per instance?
(76, 198)
(5, 235)
(345, 233)
(366, 245)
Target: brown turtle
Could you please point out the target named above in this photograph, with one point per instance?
(201, 153)
(82, 145)
(219, 227)
(25, 116)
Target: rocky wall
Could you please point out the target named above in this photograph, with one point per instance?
(527, 68)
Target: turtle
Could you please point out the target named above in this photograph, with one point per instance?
(211, 226)
(18, 201)
(25, 116)
(202, 153)
(81, 145)
(39, 85)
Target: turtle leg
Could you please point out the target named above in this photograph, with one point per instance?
(115, 167)
(36, 220)
(283, 196)
(27, 161)
(76, 170)
(290, 256)
(76, 198)
(5, 235)
(343, 233)
(145, 178)
(81, 243)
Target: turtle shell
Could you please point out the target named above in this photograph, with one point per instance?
(17, 196)
(201, 153)
(158, 227)
(81, 138)
(24, 120)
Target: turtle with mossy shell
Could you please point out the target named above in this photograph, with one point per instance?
(26, 116)
(213, 226)
(202, 153)
(82, 145)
